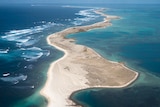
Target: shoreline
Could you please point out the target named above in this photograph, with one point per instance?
(81, 67)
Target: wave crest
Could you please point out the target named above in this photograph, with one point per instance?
(86, 16)
(14, 80)
(26, 37)
(33, 53)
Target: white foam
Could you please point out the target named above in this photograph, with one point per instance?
(31, 54)
(6, 74)
(19, 37)
(72, 6)
(4, 51)
(87, 15)
(13, 33)
(23, 37)
(15, 79)
(34, 48)
(32, 57)
(15, 82)
(46, 52)
(43, 22)
(27, 43)
(23, 40)
(28, 66)
(32, 86)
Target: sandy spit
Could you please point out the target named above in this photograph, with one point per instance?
(81, 67)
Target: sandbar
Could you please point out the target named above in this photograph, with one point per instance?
(81, 67)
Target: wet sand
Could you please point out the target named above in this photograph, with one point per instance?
(81, 67)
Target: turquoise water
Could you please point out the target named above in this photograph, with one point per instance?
(135, 37)
(24, 53)
(135, 40)
(25, 56)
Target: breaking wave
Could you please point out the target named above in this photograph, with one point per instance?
(85, 16)
(33, 53)
(24, 41)
(14, 79)
(25, 37)
(4, 51)
(72, 6)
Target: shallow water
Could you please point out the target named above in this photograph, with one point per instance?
(133, 40)
(26, 56)
(24, 53)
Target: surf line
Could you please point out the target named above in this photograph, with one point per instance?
(81, 67)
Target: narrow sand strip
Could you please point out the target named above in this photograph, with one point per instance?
(81, 67)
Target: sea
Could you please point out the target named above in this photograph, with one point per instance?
(25, 56)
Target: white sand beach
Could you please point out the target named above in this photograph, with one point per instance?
(81, 67)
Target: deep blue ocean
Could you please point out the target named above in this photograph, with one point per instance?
(24, 53)
(25, 56)
(134, 40)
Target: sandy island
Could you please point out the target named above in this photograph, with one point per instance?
(81, 67)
